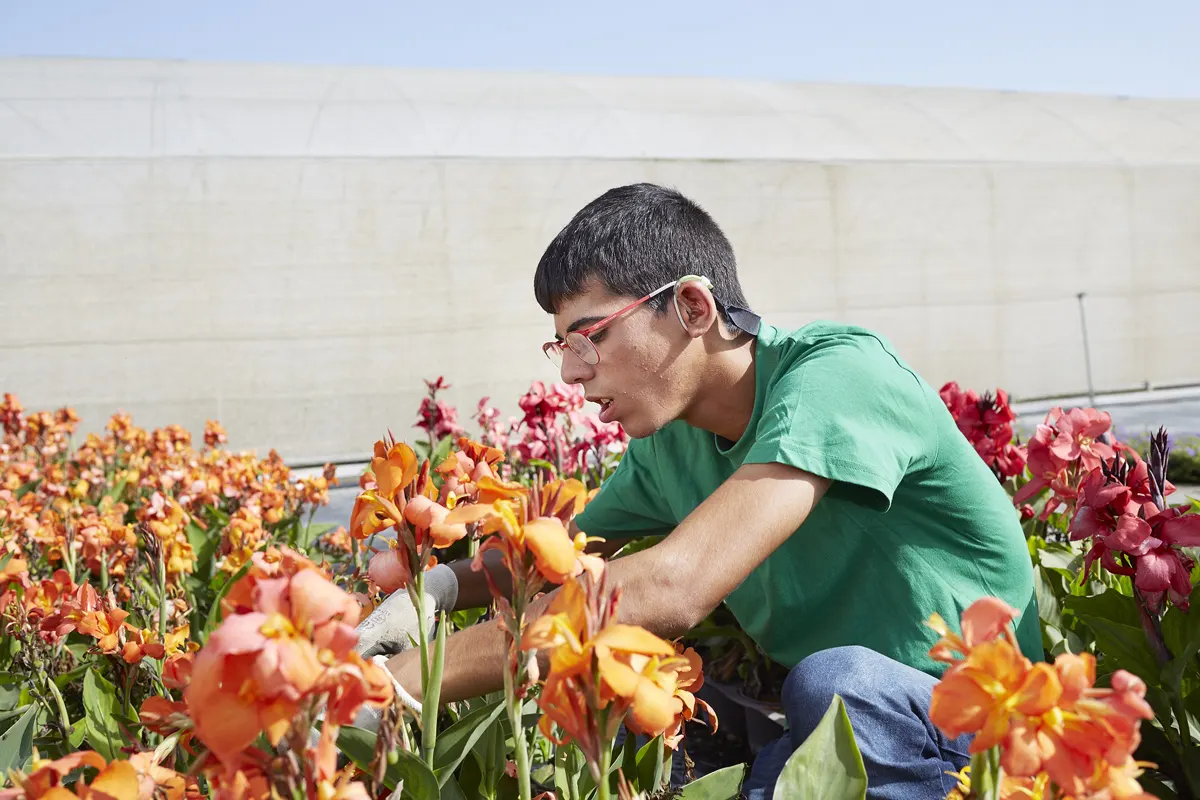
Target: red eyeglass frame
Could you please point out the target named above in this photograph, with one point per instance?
(580, 341)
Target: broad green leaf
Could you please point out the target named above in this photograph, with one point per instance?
(1060, 557)
(1110, 605)
(724, 784)
(626, 759)
(78, 732)
(1126, 646)
(204, 544)
(571, 778)
(650, 765)
(419, 780)
(100, 704)
(452, 791)
(26, 489)
(828, 764)
(454, 743)
(441, 451)
(10, 693)
(16, 745)
(1049, 605)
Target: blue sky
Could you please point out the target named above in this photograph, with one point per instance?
(1146, 48)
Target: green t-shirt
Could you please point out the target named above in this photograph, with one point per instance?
(913, 523)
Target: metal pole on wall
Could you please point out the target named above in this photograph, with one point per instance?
(1087, 354)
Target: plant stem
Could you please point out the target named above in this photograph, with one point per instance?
(605, 763)
(520, 751)
(64, 719)
(162, 594)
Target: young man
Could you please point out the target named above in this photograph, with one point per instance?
(807, 478)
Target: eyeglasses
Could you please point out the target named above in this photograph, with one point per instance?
(580, 341)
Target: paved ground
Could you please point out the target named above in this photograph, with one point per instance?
(1177, 410)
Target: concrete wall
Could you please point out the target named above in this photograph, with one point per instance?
(301, 298)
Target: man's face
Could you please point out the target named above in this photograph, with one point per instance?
(641, 380)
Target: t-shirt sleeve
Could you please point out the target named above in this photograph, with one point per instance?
(629, 503)
(848, 411)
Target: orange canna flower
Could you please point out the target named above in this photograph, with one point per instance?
(105, 627)
(596, 663)
(45, 775)
(688, 681)
(14, 570)
(464, 468)
(563, 498)
(139, 643)
(294, 642)
(543, 539)
(1046, 719)
(394, 468)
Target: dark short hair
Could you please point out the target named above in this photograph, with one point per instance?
(632, 240)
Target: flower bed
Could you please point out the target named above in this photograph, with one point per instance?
(173, 627)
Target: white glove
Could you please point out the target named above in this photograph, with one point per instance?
(388, 629)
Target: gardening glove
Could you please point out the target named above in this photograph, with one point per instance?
(388, 629)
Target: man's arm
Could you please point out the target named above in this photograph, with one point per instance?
(668, 588)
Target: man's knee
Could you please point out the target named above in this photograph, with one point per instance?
(853, 672)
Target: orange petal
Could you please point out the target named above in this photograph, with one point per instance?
(118, 781)
(553, 551)
(316, 600)
(959, 704)
(423, 512)
(1077, 673)
(390, 569)
(633, 639)
(653, 709)
(492, 489)
(445, 535)
(226, 726)
(468, 513)
(620, 678)
(985, 619)
(1039, 692)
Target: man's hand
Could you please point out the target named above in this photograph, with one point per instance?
(393, 627)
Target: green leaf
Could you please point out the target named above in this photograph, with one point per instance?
(1110, 605)
(1060, 558)
(419, 780)
(452, 791)
(26, 489)
(571, 778)
(10, 693)
(441, 451)
(828, 764)
(214, 611)
(724, 784)
(204, 544)
(454, 743)
(16, 745)
(1127, 647)
(117, 490)
(650, 765)
(100, 707)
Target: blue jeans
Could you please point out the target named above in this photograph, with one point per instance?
(905, 754)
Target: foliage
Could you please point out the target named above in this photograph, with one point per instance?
(174, 627)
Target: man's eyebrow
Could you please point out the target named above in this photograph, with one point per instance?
(582, 322)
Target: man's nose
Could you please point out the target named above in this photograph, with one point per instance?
(574, 369)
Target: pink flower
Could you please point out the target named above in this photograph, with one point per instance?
(1079, 431)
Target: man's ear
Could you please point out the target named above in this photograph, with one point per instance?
(696, 308)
